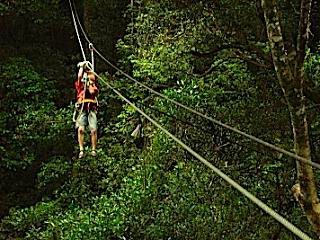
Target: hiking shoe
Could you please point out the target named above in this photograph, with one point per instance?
(81, 154)
(94, 153)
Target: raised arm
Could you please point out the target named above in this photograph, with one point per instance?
(80, 73)
(81, 66)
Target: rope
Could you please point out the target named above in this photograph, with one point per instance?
(76, 19)
(260, 141)
(76, 28)
(92, 55)
(253, 138)
(258, 202)
(243, 191)
(207, 131)
(82, 105)
(79, 23)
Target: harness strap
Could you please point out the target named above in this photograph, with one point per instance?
(79, 111)
(87, 101)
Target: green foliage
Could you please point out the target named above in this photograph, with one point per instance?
(98, 201)
(55, 168)
(3, 9)
(148, 187)
(32, 217)
(27, 110)
(40, 11)
(312, 67)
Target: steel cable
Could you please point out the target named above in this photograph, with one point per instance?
(260, 141)
(253, 138)
(246, 193)
(76, 28)
(242, 190)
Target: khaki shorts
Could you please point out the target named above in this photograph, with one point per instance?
(87, 118)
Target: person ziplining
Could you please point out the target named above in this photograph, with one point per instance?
(87, 106)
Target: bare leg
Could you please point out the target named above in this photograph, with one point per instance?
(94, 139)
(92, 119)
(81, 138)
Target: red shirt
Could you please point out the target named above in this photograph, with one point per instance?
(81, 94)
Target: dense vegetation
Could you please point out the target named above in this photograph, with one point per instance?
(214, 56)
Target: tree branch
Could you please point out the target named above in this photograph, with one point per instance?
(247, 59)
(303, 35)
(236, 46)
(212, 67)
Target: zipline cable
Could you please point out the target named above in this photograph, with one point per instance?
(75, 20)
(74, 10)
(200, 127)
(253, 138)
(92, 55)
(207, 131)
(84, 58)
(260, 141)
(254, 199)
(76, 28)
(242, 190)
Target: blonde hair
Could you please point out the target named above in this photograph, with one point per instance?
(91, 75)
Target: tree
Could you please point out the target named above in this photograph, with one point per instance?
(289, 68)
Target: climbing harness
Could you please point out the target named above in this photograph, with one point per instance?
(79, 105)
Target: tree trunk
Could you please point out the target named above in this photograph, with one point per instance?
(291, 79)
